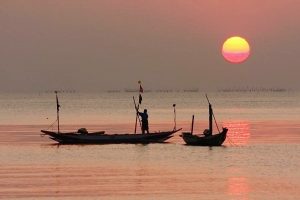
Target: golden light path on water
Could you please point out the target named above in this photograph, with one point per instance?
(257, 161)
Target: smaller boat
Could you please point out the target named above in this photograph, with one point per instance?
(203, 140)
(207, 138)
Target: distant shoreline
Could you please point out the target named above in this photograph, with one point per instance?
(130, 90)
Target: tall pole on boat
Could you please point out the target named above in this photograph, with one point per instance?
(192, 129)
(174, 106)
(136, 115)
(137, 110)
(211, 115)
(210, 119)
(57, 111)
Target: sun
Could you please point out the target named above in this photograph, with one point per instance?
(236, 49)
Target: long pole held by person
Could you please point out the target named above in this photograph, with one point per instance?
(141, 90)
(57, 111)
(137, 110)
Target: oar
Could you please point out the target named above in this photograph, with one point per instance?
(213, 115)
(137, 115)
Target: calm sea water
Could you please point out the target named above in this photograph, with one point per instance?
(259, 160)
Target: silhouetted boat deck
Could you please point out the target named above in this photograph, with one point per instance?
(101, 138)
(202, 140)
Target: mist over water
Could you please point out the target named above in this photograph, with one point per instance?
(103, 44)
(118, 107)
(92, 46)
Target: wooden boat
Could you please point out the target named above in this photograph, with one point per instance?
(203, 140)
(83, 137)
(101, 138)
(207, 138)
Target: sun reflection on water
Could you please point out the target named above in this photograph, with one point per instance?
(238, 132)
(238, 187)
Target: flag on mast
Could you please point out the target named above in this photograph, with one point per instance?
(140, 99)
(57, 103)
(141, 88)
(141, 91)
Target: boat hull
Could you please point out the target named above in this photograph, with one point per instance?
(201, 140)
(156, 137)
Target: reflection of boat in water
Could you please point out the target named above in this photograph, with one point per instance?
(207, 138)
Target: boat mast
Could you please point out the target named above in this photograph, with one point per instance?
(192, 128)
(211, 115)
(210, 119)
(57, 111)
(174, 106)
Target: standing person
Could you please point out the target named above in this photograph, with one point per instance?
(144, 116)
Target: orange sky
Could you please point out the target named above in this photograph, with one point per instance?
(165, 43)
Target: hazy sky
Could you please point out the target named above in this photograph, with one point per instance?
(111, 44)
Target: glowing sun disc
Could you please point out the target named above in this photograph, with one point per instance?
(236, 49)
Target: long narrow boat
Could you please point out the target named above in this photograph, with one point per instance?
(207, 138)
(83, 137)
(101, 138)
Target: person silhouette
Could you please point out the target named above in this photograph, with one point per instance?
(144, 116)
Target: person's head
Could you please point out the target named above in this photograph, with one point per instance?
(145, 110)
